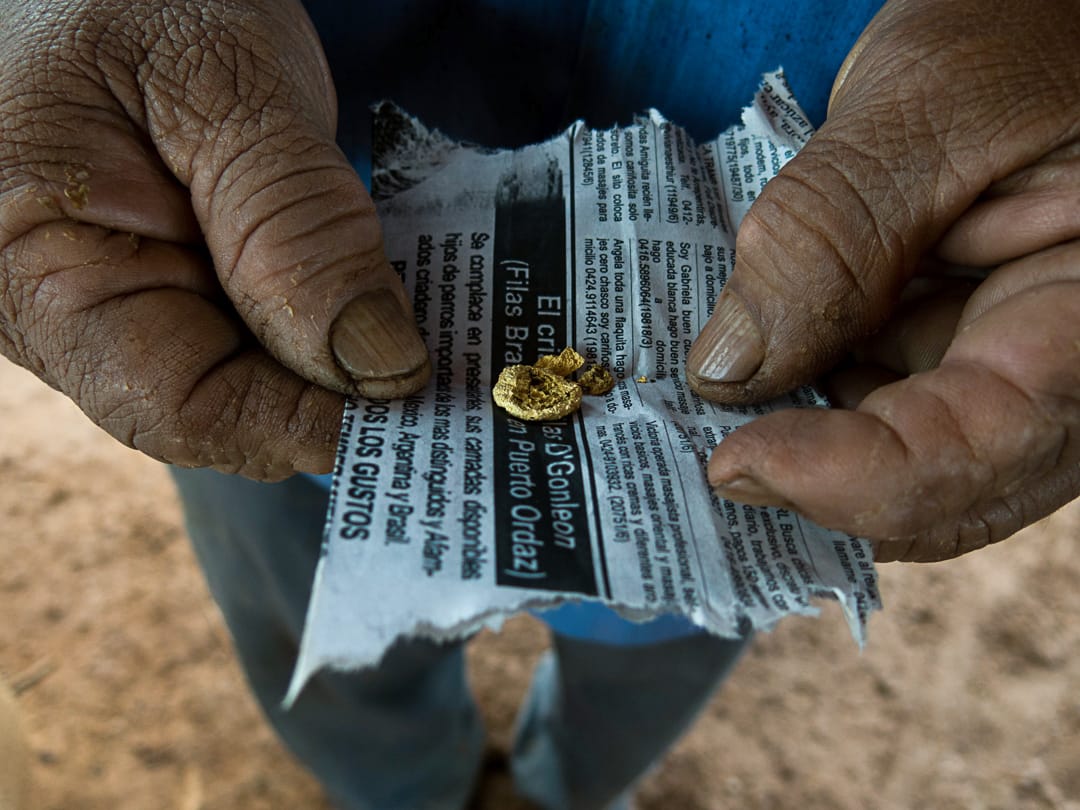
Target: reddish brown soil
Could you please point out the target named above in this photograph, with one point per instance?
(968, 696)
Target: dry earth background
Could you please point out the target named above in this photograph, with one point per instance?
(968, 695)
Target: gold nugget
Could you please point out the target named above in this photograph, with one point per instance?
(564, 363)
(543, 391)
(596, 380)
(534, 394)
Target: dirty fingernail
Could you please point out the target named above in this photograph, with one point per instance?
(745, 489)
(730, 348)
(376, 343)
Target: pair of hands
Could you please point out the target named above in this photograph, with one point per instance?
(186, 254)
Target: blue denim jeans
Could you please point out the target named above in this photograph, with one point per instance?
(406, 735)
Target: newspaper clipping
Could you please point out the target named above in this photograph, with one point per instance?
(447, 513)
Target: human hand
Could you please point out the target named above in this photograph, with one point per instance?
(953, 138)
(183, 249)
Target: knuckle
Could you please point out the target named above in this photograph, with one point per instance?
(280, 190)
(226, 77)
(817, 237)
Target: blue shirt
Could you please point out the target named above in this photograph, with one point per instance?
(506, 73)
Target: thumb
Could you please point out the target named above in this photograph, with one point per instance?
(933, 105)
(292, 231)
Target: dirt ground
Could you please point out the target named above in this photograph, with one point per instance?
(968, 695)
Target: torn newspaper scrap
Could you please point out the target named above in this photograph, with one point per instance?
(446, 513)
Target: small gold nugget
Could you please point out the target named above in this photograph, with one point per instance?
(564, 363)
(535, 395)
(596, 380)
(542, 391)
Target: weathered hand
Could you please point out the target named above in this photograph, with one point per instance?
(183, 249)
(953, 138)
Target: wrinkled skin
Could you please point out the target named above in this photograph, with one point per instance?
(180, 241)
(932, 228)
(180, 238)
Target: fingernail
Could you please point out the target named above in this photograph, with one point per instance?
(374, 341)
(745, 489)
(730, 348)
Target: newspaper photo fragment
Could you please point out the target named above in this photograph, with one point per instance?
(447, 513)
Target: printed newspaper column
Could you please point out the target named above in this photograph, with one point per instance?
(639, 314)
